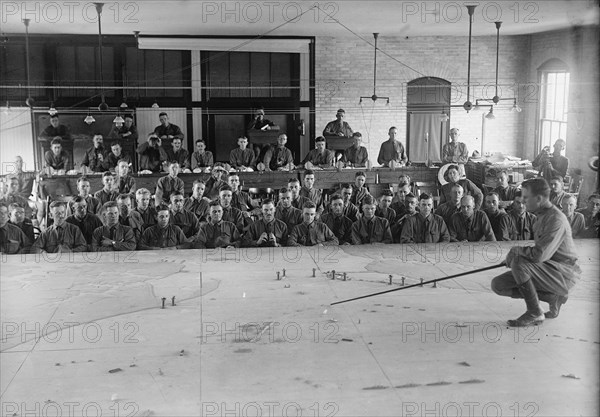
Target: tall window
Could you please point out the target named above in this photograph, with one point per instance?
(554, 101)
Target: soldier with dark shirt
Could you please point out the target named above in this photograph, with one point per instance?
(268, 231)
(216, 181)
(57, 159)
(279, 157)
(230, 213)
(553, 164)
(12, 238)
(82, 218)
(196, 203)
(83, 187)
(259, 122)
(470, 225)
(506, 192)
(356, 156)
(425, 227)
(61, 236)
(124, 131)
(340, 225)
(217, 233)
(576, 220)
(201, 158)
(320, 156)
(309, 191)
(557, 192)
(523, 220)
(166, 131)
(370, 229)
(57, 130)
(500, 221)
(298, 200)
(468, 186)
(285, 212)
(13, 197)
(152, 154)
(311, 232)
(113, 236)
(185, 220)
(162, 236)
(180, 155)
(359, 191)
(96, 157)
(169, 184)
(129, 217)
(338, 127)
(398, 203)
(411, 203)
(107, 193)
(146, 210)
(242, 157)
(392, 150)
(350, 210)
(384, 209)
(447, 209)
(125, 183)
(115, 155)
(17, 218)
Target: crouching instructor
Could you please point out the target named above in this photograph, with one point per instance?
(545, 271)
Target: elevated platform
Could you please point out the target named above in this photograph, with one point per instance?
(86, 334)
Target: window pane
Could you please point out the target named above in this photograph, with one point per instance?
(261, 74)
(218, 74)
(173, 75)
(281, 74)
(239, 69)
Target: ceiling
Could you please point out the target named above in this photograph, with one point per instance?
(266, 17)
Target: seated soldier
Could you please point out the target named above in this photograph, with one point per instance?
(446, 210)
(61, 236)
(319, 157)
(168, 184)
(259, 122)
(230, 214)
(523, 220)
(576, 220)
(242, 158)
(470, 225)
(83, 187)
(113, 236)
(216, 181)
(57, 160)
(350, 210)
(383, 209)
(107, 193)
(425, 227)
(501, 222)
(370, 229)
(17, 218)
(201, 158)
(152, 154)
(180, 155)
(398, 203)
(391, 152)
(338, 127)
(311, 232)
(217, 233)
(553, 164)
(592, 209)
(12, 238)
(116, 154)
(162, 235)
(185, 220)
(506, 192)
(279, 157)
(268, 231)
(356, 156)
(557, 192)
(340, 225)
(310, 192)
(197, 204)
(144, 208)
(25, 179)
(298, 200)
(359, 191)
(86, 222)
(13, 196)
(125, 183)
(95, 159)
(129, 217)
(240, 199)
(411, 203)
(285, 212)
(468, 186)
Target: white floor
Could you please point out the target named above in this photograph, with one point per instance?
(239, 342)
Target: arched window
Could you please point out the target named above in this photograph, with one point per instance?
(554, 101)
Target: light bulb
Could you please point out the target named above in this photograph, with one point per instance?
(89, 119)
(118, 119)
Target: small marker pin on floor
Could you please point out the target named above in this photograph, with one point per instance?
(283, 272)
(344, 276)
(278, 276)
(333, 274)
(403, 281)
(390, 277)
(434, 285)
(421, 282)
(173, 301)
(163, 301)
(314, 272)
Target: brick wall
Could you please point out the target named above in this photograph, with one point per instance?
(344, 72)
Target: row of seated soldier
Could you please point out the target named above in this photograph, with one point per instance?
(219, 214)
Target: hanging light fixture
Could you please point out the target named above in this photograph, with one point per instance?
(103, 106)
(490, 115)
(155, 104)
(515, 107)
(89, 119)
(444, 117)
(118, 119)
(123, 104)
(496, 98)
(29, 101)
(7, 109)
(374, 97)
(468, 105)
(52, 111)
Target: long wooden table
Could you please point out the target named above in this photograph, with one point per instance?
(65, 185)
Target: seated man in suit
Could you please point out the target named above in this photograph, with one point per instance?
(86, 221)
(61, 236)
(470, 225)
(370, 229)
(468, 186)
(12, 238)
(285, 212)
(383, 209)
(500, 221)
(168, 184)
(319, 157)
(217, 233)
(279, 158)
(163, 235)
(17, 218)
(267, 231)
(113, 236)
(340, 225)
(242, 157)
(196, 203)
(425, 227)
(356, 156)
(311, 232)
(523, 220)
(146, 210)
(129, 217)
(107, 193)
(184, 219)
